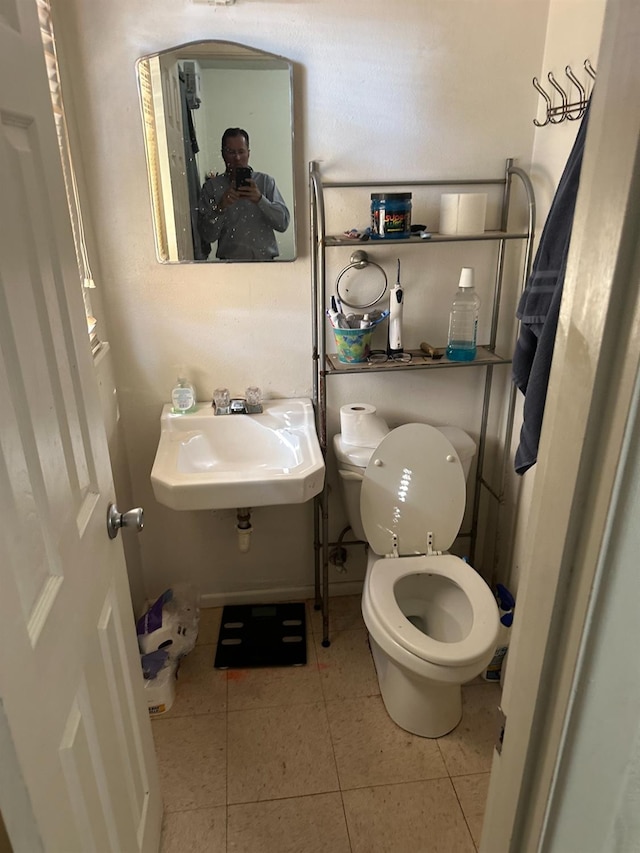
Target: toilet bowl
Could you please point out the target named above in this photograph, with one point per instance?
(432, 620)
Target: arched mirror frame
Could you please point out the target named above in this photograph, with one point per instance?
(254, 91)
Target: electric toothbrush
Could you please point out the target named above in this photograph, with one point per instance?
(395, 316)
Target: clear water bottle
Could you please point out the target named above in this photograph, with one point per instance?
(463, 320)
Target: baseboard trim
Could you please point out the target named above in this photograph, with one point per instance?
(258, 596)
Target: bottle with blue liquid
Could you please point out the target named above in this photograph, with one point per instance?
(463, 320)
(506, 605)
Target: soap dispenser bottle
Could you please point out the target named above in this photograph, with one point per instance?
(183, 395)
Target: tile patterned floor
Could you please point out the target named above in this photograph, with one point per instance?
(306, 759)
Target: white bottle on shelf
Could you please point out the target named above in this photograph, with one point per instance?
(463, 320)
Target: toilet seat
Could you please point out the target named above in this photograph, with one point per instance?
(385, 573)
(412, 503)
(413, 486)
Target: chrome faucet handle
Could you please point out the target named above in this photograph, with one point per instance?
(253, 396)
(221, 401)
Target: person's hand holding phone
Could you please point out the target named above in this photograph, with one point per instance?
(229, 197)
(242, 187)
(246, 187)
(250, 191)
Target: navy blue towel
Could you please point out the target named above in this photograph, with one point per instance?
(539, 306)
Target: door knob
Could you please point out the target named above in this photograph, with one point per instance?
(117, 519)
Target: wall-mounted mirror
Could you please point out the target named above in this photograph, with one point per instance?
(203, 209)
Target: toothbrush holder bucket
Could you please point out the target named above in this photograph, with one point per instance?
(353, 345)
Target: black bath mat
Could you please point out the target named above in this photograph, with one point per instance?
(253, 635)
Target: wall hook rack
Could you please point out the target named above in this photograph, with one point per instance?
(567, 109)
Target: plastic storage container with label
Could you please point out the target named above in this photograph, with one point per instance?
(390, 215)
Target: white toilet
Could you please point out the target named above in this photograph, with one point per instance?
(432, 620)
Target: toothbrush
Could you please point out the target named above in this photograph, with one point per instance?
(338, 321)
(333, 317)
(373, 321)
(395, 316)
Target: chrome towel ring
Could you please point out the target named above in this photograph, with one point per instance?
(359, 260)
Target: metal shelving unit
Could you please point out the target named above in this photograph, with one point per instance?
(326, 364)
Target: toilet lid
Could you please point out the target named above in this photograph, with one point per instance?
(414, 484)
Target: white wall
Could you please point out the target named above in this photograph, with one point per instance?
(425, 91)
(573, 35)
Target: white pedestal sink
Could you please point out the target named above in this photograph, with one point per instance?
(208, 461)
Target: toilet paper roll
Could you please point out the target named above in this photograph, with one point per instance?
(462, 213)
(361, 426)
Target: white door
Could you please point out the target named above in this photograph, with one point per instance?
(584, 449)
(176, 179)
(77, 769)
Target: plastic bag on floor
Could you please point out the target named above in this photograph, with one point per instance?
(153, 663)
(171, 623)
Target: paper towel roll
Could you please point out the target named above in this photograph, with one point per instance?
(462, 213)
(449, 213)
(360, 425)
(471, 213)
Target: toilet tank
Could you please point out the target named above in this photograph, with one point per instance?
(464, 446)
(353, 460)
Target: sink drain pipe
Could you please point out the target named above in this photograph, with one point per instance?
(244, 528)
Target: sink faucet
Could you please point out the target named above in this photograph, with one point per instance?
(250, 404)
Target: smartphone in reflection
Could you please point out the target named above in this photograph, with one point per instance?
(243, 174)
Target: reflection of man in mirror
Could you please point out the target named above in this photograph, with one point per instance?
(241, 211)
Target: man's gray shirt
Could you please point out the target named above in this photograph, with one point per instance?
(245, 230)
